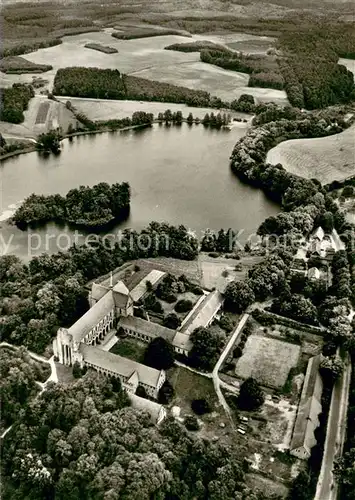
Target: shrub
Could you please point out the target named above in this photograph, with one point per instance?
(215, 255)
(172, 321)
(238, 352)
(201, 406)
(183, 306)
(141, 392)
(226, 323)
(191, 423)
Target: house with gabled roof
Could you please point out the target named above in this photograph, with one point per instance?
(309, 409)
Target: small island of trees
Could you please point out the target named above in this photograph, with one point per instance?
(88, 207)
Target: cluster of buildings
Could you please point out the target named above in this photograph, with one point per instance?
(314, 256)
(112, 310)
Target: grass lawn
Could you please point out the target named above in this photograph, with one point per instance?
(130, 348)
(189, 386)
(267, 360)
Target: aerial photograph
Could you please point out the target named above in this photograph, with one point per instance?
(177, 250)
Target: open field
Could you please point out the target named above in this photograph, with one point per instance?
(147, 58)
(17, 64)
(267, 360)
(103, 109)
(218, 272)
(326, 158)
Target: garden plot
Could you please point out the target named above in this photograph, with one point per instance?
(325, 158)
(267, 360)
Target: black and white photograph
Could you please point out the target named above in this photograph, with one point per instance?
(177, 250)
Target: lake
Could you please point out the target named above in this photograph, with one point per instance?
(177, 174)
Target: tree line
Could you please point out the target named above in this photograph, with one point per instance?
(264, 70)
(87, 207)
(309, 65)
(52, 286)
(15, 101)
(18, 382)
(111, 84)
(83, 440)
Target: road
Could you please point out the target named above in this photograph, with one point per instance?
(215, 376)
(336, 430)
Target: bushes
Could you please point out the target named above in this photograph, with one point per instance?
(171, 321)
(183, 306)
(15, 101)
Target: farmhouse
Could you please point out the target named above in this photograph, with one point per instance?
(309, 408)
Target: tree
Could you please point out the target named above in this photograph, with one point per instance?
(191, 423)
(301, 488)
(76, 370)
(250, 396)
(331, 368)
(200, 406)
(141, 392)
(159, 354)
(49, 142)
(183, 305)
(238, 296)
(166, 393)
(190, 119)
(206, 346)
(172, 321)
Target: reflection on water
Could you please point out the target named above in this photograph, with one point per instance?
(177, 174)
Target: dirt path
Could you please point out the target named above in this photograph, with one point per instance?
(215, 376)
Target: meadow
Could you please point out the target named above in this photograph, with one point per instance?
(326, 158)
(267, 360)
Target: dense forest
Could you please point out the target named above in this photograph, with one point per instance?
(264, 70)
(88, 207)
(18, 376)
(89, 82)
(313, 77)
(196, 46)
(110, 84)
(14, 101)
(84, 441)
(37, 298)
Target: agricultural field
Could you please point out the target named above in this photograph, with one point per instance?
(326, 158)
(147, 58)
(267, 360)
(41, 116)
(17, 64)
(103, 109)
